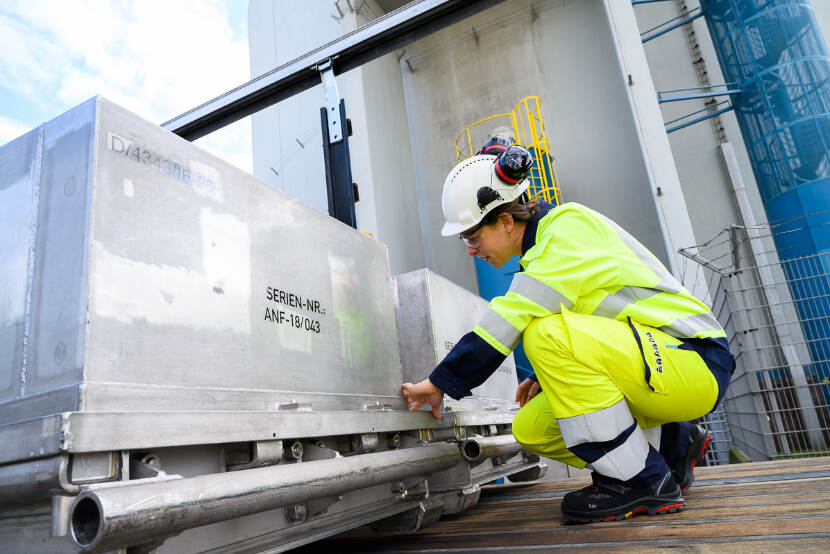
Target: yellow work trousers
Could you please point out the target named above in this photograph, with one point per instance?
(587, 363)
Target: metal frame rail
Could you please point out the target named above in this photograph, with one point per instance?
(379, 37)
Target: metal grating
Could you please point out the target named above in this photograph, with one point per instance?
(775, 307)
(721, 444)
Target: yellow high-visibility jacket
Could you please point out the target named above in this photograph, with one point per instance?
(577, 259)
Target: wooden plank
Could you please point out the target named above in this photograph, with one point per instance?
(519, 501)
(816, 461)
(811, 545)
(763, 475)
(704, 489)
(768, 506)
(702, 473)
(737, 514)
(791, 505)
(778, 492)
(636, 536)
(696, 495)
(814, 504)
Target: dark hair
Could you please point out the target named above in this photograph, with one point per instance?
(519, 209)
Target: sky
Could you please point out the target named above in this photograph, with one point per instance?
(157, 58)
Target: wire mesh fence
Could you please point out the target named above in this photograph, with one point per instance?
(721, 443)
(775, 307)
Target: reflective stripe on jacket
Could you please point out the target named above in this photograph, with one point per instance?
(587, 263)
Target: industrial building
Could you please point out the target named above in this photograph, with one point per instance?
(640, 119)
(597, 90)
(179, 418)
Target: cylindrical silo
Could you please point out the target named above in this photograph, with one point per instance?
(774, 52)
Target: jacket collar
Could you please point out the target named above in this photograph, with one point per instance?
(529, 238)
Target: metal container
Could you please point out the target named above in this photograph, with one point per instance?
(140, 273)
(433, 313)
(166, 319)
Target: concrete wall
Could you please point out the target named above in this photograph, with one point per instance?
(380, 152)
(407, 114)
(286, 137)
(568, 58)
(287, 141)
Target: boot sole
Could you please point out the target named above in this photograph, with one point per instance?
(700, 446)
(650, 506)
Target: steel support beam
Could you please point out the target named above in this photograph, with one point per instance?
(383, 35)
(698, 119)
(680, 21)
(661, 98)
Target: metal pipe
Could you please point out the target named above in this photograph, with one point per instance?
(117, 516)
(479, 449)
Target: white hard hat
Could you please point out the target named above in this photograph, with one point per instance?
(473, 188)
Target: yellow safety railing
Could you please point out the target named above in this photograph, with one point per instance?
(526, 123)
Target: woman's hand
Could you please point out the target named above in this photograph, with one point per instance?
(423, 393)
(527, 390)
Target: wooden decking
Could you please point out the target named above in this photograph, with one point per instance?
(781, 506)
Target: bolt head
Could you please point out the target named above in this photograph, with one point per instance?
(297, 450)
(295, 513)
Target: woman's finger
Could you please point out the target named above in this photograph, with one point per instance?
(521, 390)
(534, 390)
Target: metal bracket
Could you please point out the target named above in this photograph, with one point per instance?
(319, 451)
(318, 506)
(94, 467)
(365, 442)
(377, 406)
(264, 453)
(460, 499)
(412, 488)
(293, 406)
(340, 189)
(147, 467)
(427, 511)
(332, 101)
(59, 523)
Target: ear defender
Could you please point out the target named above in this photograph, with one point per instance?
(511, 168)
(494, 146)
(513, 165)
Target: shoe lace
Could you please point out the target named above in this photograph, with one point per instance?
(608, 484)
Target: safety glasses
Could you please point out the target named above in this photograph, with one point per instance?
(472, 238)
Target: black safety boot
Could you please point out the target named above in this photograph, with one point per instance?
(610, 500)
(684, 469)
